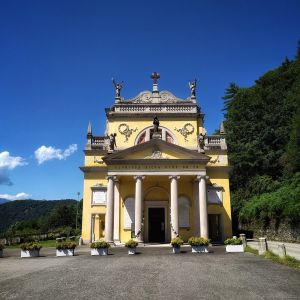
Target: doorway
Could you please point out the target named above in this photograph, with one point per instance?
(156, 224)
(215, 229)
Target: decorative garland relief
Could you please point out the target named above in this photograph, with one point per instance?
(125, 130)
(186, 130)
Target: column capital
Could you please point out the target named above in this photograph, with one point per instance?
(97, 216)
(141, 177)
(174, 177)
(199, 177)
(112, 177)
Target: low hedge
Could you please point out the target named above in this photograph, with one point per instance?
(131, 244)
(31, 246)
(99, 245)
(233, 241)
(66, 245)
(198, 241)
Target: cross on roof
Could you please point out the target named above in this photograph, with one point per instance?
(155, 76)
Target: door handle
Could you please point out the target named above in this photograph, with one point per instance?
(162, 226)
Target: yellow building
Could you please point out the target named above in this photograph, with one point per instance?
(155, 173)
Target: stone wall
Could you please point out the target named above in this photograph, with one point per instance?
(282, 231)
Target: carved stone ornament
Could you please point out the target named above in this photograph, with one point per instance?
(125, 130)
(156, 155)
(147, 97)
(101, 162)
(215, 160)
(186, 130)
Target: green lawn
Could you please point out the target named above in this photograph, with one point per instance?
(287, 260)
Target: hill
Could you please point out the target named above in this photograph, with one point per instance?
(2, 201)
(26, 210)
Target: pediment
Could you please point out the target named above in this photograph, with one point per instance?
(161, 97)
(156, 149)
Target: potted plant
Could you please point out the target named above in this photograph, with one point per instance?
(99, 248)
(31, 249)
(234, 245)
(131, 245)
(176, 243)
(65, 248)
(199, 244)
(1, 250)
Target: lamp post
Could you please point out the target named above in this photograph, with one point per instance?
(78, 194)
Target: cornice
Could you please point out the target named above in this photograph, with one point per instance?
(90, 169)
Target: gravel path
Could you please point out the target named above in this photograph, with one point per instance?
(155, 273)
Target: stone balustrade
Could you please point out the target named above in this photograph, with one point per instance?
(155, 108)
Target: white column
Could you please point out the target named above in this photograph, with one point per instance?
(138, 209)
(174, 206)
(109, 216)
(117, 211)
(203, 207)
(196, 208)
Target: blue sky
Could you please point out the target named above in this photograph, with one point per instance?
(57, 59)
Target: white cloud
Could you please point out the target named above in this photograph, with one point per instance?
(10, 162)
(19, 196)
(44, 153)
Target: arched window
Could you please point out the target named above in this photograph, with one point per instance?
(184, 212)
(128, 212)
(146, 135)
(142, 138)
(169, 138)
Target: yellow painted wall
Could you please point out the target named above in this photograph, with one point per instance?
(91, 179)
(127, 184)
(141, 124)
(222, 179)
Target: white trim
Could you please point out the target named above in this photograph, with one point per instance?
(157, 204)
(147, 137)
(98, 188)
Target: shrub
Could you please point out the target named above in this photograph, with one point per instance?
(1, 247)
(233, 241)
(131, 244)
(30, 246)
(176, 242)
(100, 244)
(198, 241)
(65, 245)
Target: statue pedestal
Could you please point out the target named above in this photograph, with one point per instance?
(156, 136)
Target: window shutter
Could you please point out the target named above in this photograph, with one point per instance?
(128, 212)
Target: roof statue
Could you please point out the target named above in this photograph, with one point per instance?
(193, 86)
(118, 87)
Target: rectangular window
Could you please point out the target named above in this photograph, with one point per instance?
(214, 196)
(99, 196)
(129, 213)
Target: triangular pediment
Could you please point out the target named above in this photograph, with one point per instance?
(156, 149)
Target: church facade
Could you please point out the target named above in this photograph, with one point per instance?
(155, 174)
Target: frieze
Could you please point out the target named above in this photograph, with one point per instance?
(157, 167)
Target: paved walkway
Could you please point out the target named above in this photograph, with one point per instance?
(155, 273)
(292, 249)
